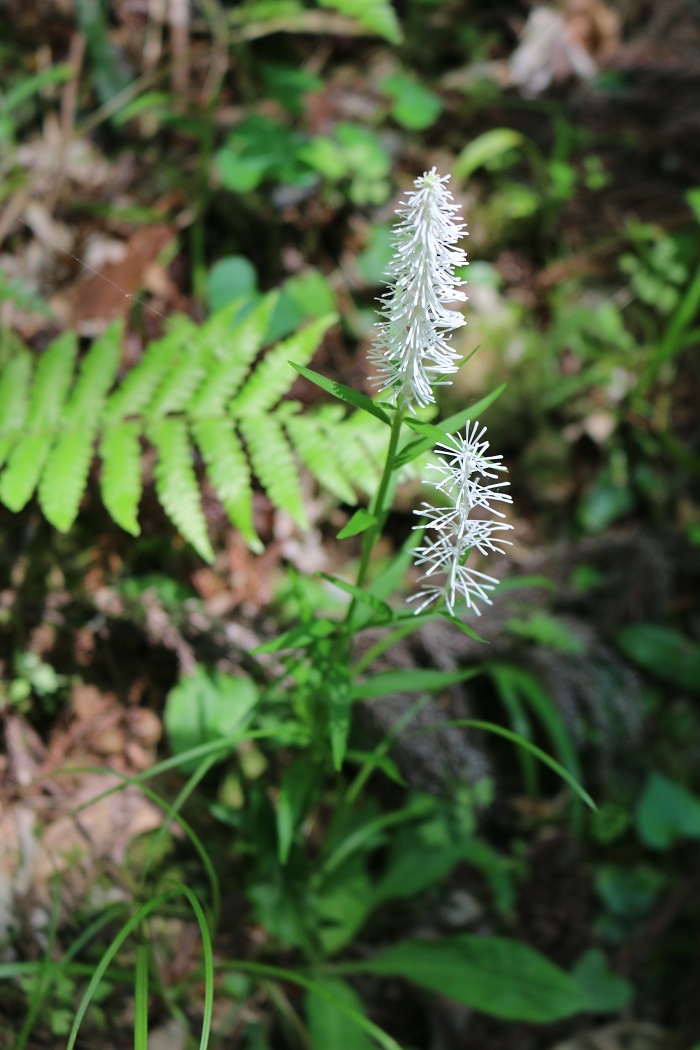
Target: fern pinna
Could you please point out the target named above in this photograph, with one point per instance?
(196, 394)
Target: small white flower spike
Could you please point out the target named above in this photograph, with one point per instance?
(411, 351)
(464, 465)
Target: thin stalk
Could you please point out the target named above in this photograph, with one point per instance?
(379, 510)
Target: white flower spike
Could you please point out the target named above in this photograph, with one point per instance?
(462, 471)
(411, 351)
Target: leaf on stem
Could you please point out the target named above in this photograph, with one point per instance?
(344, 393)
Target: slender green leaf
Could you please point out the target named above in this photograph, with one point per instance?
(141, 998)
(339, 705)
(435, 433)
(359, 522)
(515, 738)
(375, 604)
(413, 681)
(344, 393)
(298, 637)
(485, 148)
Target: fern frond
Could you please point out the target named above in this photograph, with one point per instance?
(14, 400)
(273, 462)
(97, 371)
(232, 350)
(64, 477)
(139, 386)
(229, 473)
(311, 444)
(120, 480)
(178, 387)
(273, 377)
(359, 468)
(176, 483)
(48, 394)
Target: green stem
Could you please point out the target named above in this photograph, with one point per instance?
(379, 510)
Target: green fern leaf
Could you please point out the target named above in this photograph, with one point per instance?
(14, 400)
(176, 483)
(376, 15)
(64, 478)
(273, 377)
(139, 386)
(97, 372)
(120, 451)
(232, 350)
(48, 394)
(318, 456)
(354, 459)
(228, 470)
(273, 462)
(177, 388)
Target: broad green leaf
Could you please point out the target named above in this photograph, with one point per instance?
(231, 279)
(330, 1026)
(343, 393)
(376, 15)
(494, 975)
(176, 483)
(664, 653)
(605, 991)
(415, 680)
(414, 106)
(120, 481)
(666, 813)
(359, 522)
(485, 148)
(205, 707)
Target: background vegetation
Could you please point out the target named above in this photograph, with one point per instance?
(191, 195)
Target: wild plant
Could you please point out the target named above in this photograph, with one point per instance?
(300, 696)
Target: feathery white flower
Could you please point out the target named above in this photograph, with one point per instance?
(411, 350)
(464, 466)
